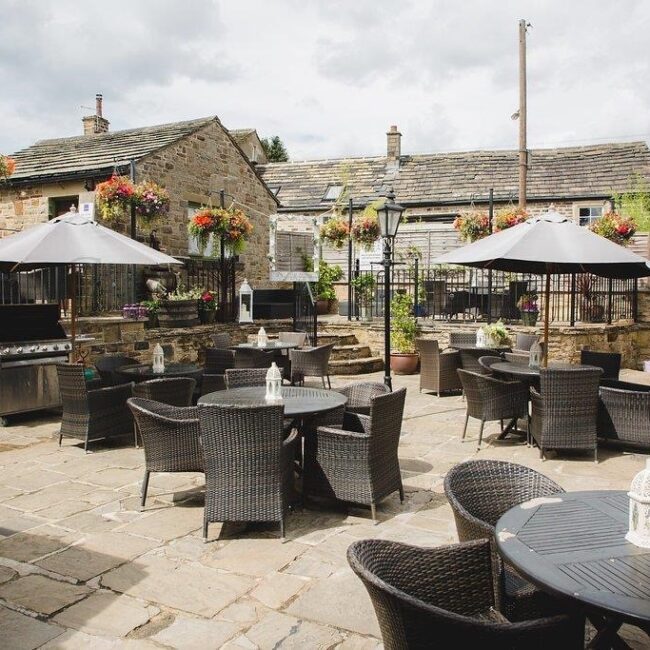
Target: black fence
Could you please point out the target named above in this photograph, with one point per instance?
(106, 288)
(459, 293)
(305, 317)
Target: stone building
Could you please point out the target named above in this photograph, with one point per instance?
(193, 160)
(435, 188)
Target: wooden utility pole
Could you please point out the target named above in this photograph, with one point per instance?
(523, 151)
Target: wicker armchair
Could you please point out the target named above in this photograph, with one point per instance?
(487, 362)
(91, 415)
(564, 415)
(239, 377)
(523, 342)
(253, 358)
(360, 395)
(108, 365)
(517, 357)
(358, 463)
(490, 399)
(221, 340)
(438, 369)
(217, 361)
(610, 362)
(250, 486)
(311, 363)
(295, 338)
(447, 596)
(479, 492)
(462, 338)
(624, 414)
(170, 436)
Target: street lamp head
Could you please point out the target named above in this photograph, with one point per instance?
(389, 215)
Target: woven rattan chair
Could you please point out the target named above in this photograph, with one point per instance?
(108, 365)
(175, 391)
(253, 358)
(295, 338)
(610, 362)
(624, 415)
(217, 361)
(448, 597)
(490, 399)
(516, 357)
(487, 362)
(360, 395)
(438, 369)
(239, 377)
(523, 342)
(221, 340)
(170, 436)
(462, 338)
(358, 462)
(564, 413)
(248, 464)
(479, 492)
(91, 415)
(311, 363)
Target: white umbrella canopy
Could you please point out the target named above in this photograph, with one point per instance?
(549, 244)
(75, 239)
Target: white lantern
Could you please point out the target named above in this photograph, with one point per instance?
(535, 358)
(262, 338)
(639, 529)
(245, 303)
(158, 365)
(273, 384)
(480, 338)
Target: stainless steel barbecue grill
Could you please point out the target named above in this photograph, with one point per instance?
(32, 343)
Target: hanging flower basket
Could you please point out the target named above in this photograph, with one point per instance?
(365, 231)
(509, 217)
(615, 227)
(472, 226)
(202, 226)
(7, 166)
(233, 225)
(237, 230)
(114, 197)
(151, 201)
(335, 231)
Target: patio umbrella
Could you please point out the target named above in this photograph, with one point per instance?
(546, 245)
(75, 239)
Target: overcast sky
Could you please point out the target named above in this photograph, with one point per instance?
(329, 76)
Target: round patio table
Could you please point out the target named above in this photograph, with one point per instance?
(524, 371)
(487, 350)
(573, 546)
(144, 372)
(299, 403)
(269, 347)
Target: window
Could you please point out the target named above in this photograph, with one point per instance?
(274, 189)
(62, 204)
(588, 214)
(333, 192)
(192, 248)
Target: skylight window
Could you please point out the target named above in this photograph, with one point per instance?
(274, 189)
(333, 192)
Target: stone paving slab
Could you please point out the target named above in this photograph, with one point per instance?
(145, 578)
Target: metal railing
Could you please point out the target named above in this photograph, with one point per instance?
(460, 293)
(305, 316)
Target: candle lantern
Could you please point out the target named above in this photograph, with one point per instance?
(245, 303)
(480, 338)
(535, 358)
(158, 365)
(639, 528)
(262, 338)
(273, 384)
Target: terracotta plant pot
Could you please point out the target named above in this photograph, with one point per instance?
(404, 363)
(322, 307)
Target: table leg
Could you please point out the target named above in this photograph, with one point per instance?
(606, 633)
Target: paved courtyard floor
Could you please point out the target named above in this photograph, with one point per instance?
(81, 566)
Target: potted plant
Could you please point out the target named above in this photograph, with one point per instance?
(114, 197)
(496, 335)
(233, 226)
(615, 227)
(403, 357)
(179, 308)
(325, 294)
(335, 231)
(207, 307)
(509, 217)
(472, 226)
(152, 307)
(151, 202)
(364, 286)
(527, 305)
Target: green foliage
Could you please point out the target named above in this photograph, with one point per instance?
(327, 276)
(635, 202)
(404, 329)
(152, 306)
(497, 333)
(364, 285)
(181, 294)
(274, 149)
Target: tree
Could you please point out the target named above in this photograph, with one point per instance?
(274, 149)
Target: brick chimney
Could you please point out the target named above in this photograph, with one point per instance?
(96, 123)
(393, 143)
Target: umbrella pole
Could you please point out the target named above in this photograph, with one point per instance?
(73, 314)
(547, 302)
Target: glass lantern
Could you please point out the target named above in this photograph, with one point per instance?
(158, 364)
(536, 353)
(245, 303)
(639, 528)
(273, 384)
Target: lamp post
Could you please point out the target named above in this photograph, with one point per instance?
(389, 216)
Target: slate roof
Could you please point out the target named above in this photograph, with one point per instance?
(456, 178)
(65, 158)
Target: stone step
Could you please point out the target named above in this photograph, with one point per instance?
(356, 366)
(342, 352)
(338, 339)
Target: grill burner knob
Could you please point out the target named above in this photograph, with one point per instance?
(67, 346)
(33, 348)
(19, 350)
